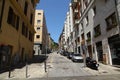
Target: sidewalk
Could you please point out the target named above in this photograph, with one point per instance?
(34, 71)
(103, 70)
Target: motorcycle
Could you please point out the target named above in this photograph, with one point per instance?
(92, 63)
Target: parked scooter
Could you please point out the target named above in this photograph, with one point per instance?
(92, 63)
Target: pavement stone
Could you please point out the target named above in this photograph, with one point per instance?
(103, 70)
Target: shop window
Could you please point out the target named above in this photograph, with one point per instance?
(97, 31)
(111, 21)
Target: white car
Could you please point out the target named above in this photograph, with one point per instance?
(77, 58)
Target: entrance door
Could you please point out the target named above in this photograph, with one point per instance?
(99, 51)
(114, 42)
(116, 54)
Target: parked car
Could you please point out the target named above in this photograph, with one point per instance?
(65, 53)
(70, 54)
(77, 57)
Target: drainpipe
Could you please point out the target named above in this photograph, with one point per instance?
(117, 15)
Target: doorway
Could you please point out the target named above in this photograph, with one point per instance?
(99, 51)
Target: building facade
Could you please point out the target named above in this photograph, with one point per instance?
(100, 30)
(96, 29)
(41, 38)
(16, 30)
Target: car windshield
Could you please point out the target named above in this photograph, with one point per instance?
(77, 55)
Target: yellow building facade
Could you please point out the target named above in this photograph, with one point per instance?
(41, 35)
(17, 30)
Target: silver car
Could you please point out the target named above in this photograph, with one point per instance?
(77, 57)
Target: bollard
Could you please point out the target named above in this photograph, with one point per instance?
(45, 66)
(26, 70)
(9, 75)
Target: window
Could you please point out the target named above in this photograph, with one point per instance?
(87, 20)
(31, 18)
(38, 21)
(23, 29)
(97, 31)
(111, 21)
(88, 37)
(81, 27)
(26, 32)
(39, 13)
(38, 28)
(30, 36)
(106, 0)
(17, 23)
(10, 15)
(25, 8)
(94, 10)
(86, 3)
(2, 3)
(32, 1)
(13, 19)
(37, 36)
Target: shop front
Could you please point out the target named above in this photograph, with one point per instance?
(114, 43)
(5, 56)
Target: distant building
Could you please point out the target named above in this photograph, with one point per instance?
(16, 30)
(41, 35)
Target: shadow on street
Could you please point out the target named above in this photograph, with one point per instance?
(35, 59)
(38, 59)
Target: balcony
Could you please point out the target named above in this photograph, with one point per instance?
(75, 1)
(111, 26)
(97, 34)
(88, 40)
(76, 22)
(76, 10)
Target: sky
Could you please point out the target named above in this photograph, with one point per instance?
(55, 14)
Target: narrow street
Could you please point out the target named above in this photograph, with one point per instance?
(59, 67)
